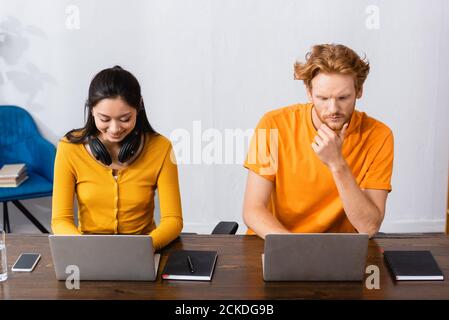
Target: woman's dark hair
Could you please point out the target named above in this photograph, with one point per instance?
(109, 84)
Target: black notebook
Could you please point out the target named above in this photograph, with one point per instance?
(413, 265)
(190, 265)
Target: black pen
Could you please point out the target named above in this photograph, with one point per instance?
(189, 261)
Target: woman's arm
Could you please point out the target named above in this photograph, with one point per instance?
(170, 203)
(63, 191)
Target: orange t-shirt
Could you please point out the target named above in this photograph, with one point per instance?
(305, 197)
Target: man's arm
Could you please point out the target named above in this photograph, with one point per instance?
(255, 212)
(365, 209)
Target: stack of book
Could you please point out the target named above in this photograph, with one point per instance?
(12, 175)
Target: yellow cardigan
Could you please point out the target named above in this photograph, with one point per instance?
(122, 206)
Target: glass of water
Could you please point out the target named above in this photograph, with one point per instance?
(3, 263)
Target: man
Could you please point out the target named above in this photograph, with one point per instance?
(322, 166)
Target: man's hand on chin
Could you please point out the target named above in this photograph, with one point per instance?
(327, 145)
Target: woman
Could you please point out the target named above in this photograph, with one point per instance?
(114, 164)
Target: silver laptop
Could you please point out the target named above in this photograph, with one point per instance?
(105, 257)
(315, 257)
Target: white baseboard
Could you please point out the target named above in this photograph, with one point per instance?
(404, 226)
(206, 228)
(400, 226)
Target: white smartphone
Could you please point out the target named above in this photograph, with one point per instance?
(26, 262)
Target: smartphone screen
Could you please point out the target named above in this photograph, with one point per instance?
(26, 262)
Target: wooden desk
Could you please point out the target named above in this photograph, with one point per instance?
(238, 274)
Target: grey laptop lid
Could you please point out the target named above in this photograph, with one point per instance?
(105, 257)
(315, 257)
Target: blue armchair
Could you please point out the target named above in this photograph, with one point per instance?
(21, 142)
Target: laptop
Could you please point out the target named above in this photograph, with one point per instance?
(105, 257)
(315, 257)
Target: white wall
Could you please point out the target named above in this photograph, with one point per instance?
(225, 63)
